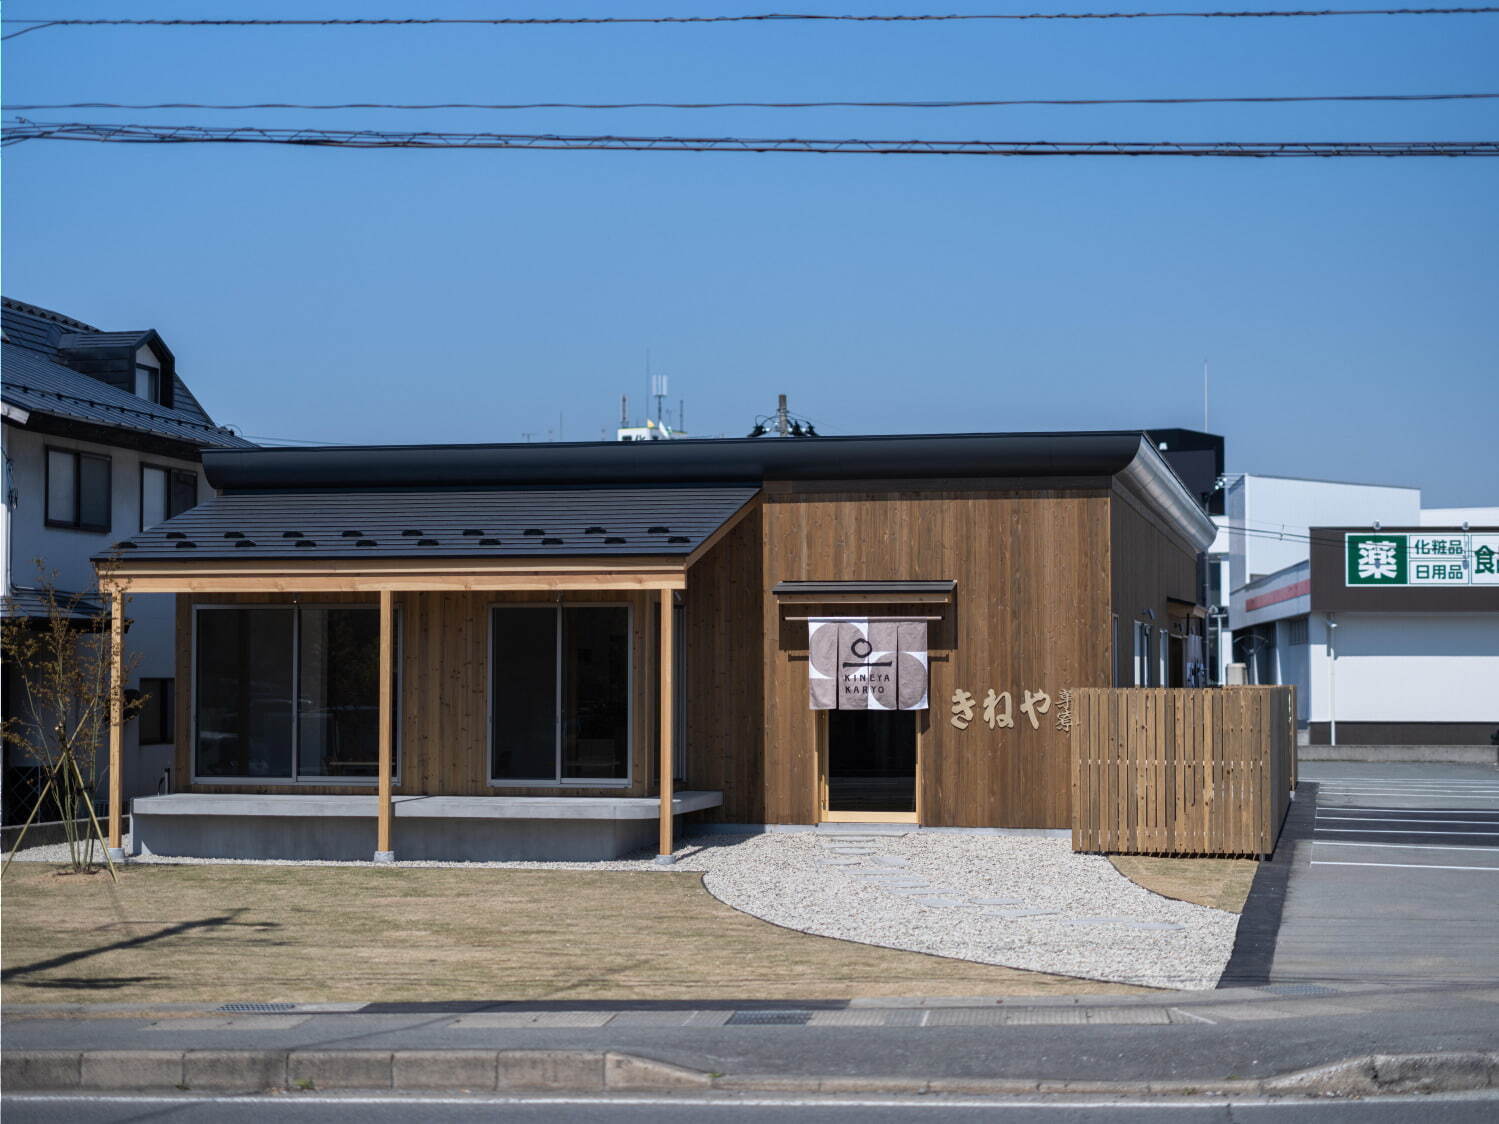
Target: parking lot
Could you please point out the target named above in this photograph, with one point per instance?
(1398, 878)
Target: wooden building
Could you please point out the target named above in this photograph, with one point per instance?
(503, 651)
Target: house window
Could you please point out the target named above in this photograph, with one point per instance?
(166, 492)
(288, 693)
(148, 382)
(157, 711)
(559, 694)
(78, 491)
(1296, 631)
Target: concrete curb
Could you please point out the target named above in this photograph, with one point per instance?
(588, 1071)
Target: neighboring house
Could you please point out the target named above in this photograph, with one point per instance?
(102, 439)
(515, 651)
(1197, 458)
(1413, 663)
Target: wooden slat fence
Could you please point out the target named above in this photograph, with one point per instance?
(1182, 771)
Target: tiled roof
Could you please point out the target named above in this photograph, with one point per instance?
(496, 523)
(35, 383)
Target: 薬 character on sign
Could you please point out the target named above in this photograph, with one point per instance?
(993, 715)
(1037, 702)
(962, 708)
(1376, 559)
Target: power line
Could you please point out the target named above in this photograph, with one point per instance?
(353, 138)
(763, 17)
(953, 104)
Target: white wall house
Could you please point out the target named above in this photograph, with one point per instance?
(101, 439)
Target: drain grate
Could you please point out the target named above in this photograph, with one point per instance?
(769, 1018)
(257, 1008)
(1300, 989)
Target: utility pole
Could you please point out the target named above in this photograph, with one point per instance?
(783, 424)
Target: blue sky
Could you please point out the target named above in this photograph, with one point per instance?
(1347, 308)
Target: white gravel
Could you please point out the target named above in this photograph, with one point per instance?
(1018, 901)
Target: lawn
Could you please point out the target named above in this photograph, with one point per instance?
(1220, 883)
(241, 933)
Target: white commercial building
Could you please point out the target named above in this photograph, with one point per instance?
(1385, 616)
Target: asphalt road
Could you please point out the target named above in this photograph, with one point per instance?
(761, 1110)
(1397, 877)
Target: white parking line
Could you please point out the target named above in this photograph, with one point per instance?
(1419, 811)
(1406, 866)
(1397, 819)
(1402, 846)
(1409, 796)
(1433, 793)
(1395, 831)
(1387, 783)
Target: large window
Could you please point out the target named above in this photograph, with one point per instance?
(166, 492)
(560, 694)
(77, 490)
(288, 693)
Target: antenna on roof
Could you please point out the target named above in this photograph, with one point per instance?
(658, 391)
(624, 409)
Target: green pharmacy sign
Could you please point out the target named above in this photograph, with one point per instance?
(1425, 559)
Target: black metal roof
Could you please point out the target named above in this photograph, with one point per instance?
(33, 382)
(517, 522)
(43, 331)
(36, 604)
(739, 460)
(70, 341)
(36, 328)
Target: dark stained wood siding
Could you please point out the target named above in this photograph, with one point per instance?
(1030, 613)
(444, 661)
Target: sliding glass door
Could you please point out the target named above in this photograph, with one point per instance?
(287, 693)
(560, 694)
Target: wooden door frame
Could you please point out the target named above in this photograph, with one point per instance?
(820, 784)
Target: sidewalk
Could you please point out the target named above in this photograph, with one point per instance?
(1243, 1040)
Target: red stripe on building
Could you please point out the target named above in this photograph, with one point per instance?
(1276, 596)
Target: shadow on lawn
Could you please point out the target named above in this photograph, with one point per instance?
(21, 973)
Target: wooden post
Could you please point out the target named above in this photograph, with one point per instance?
(383, 851)
(664, 716)
(116, 723)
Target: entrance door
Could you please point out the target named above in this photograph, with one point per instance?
(871, 765)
